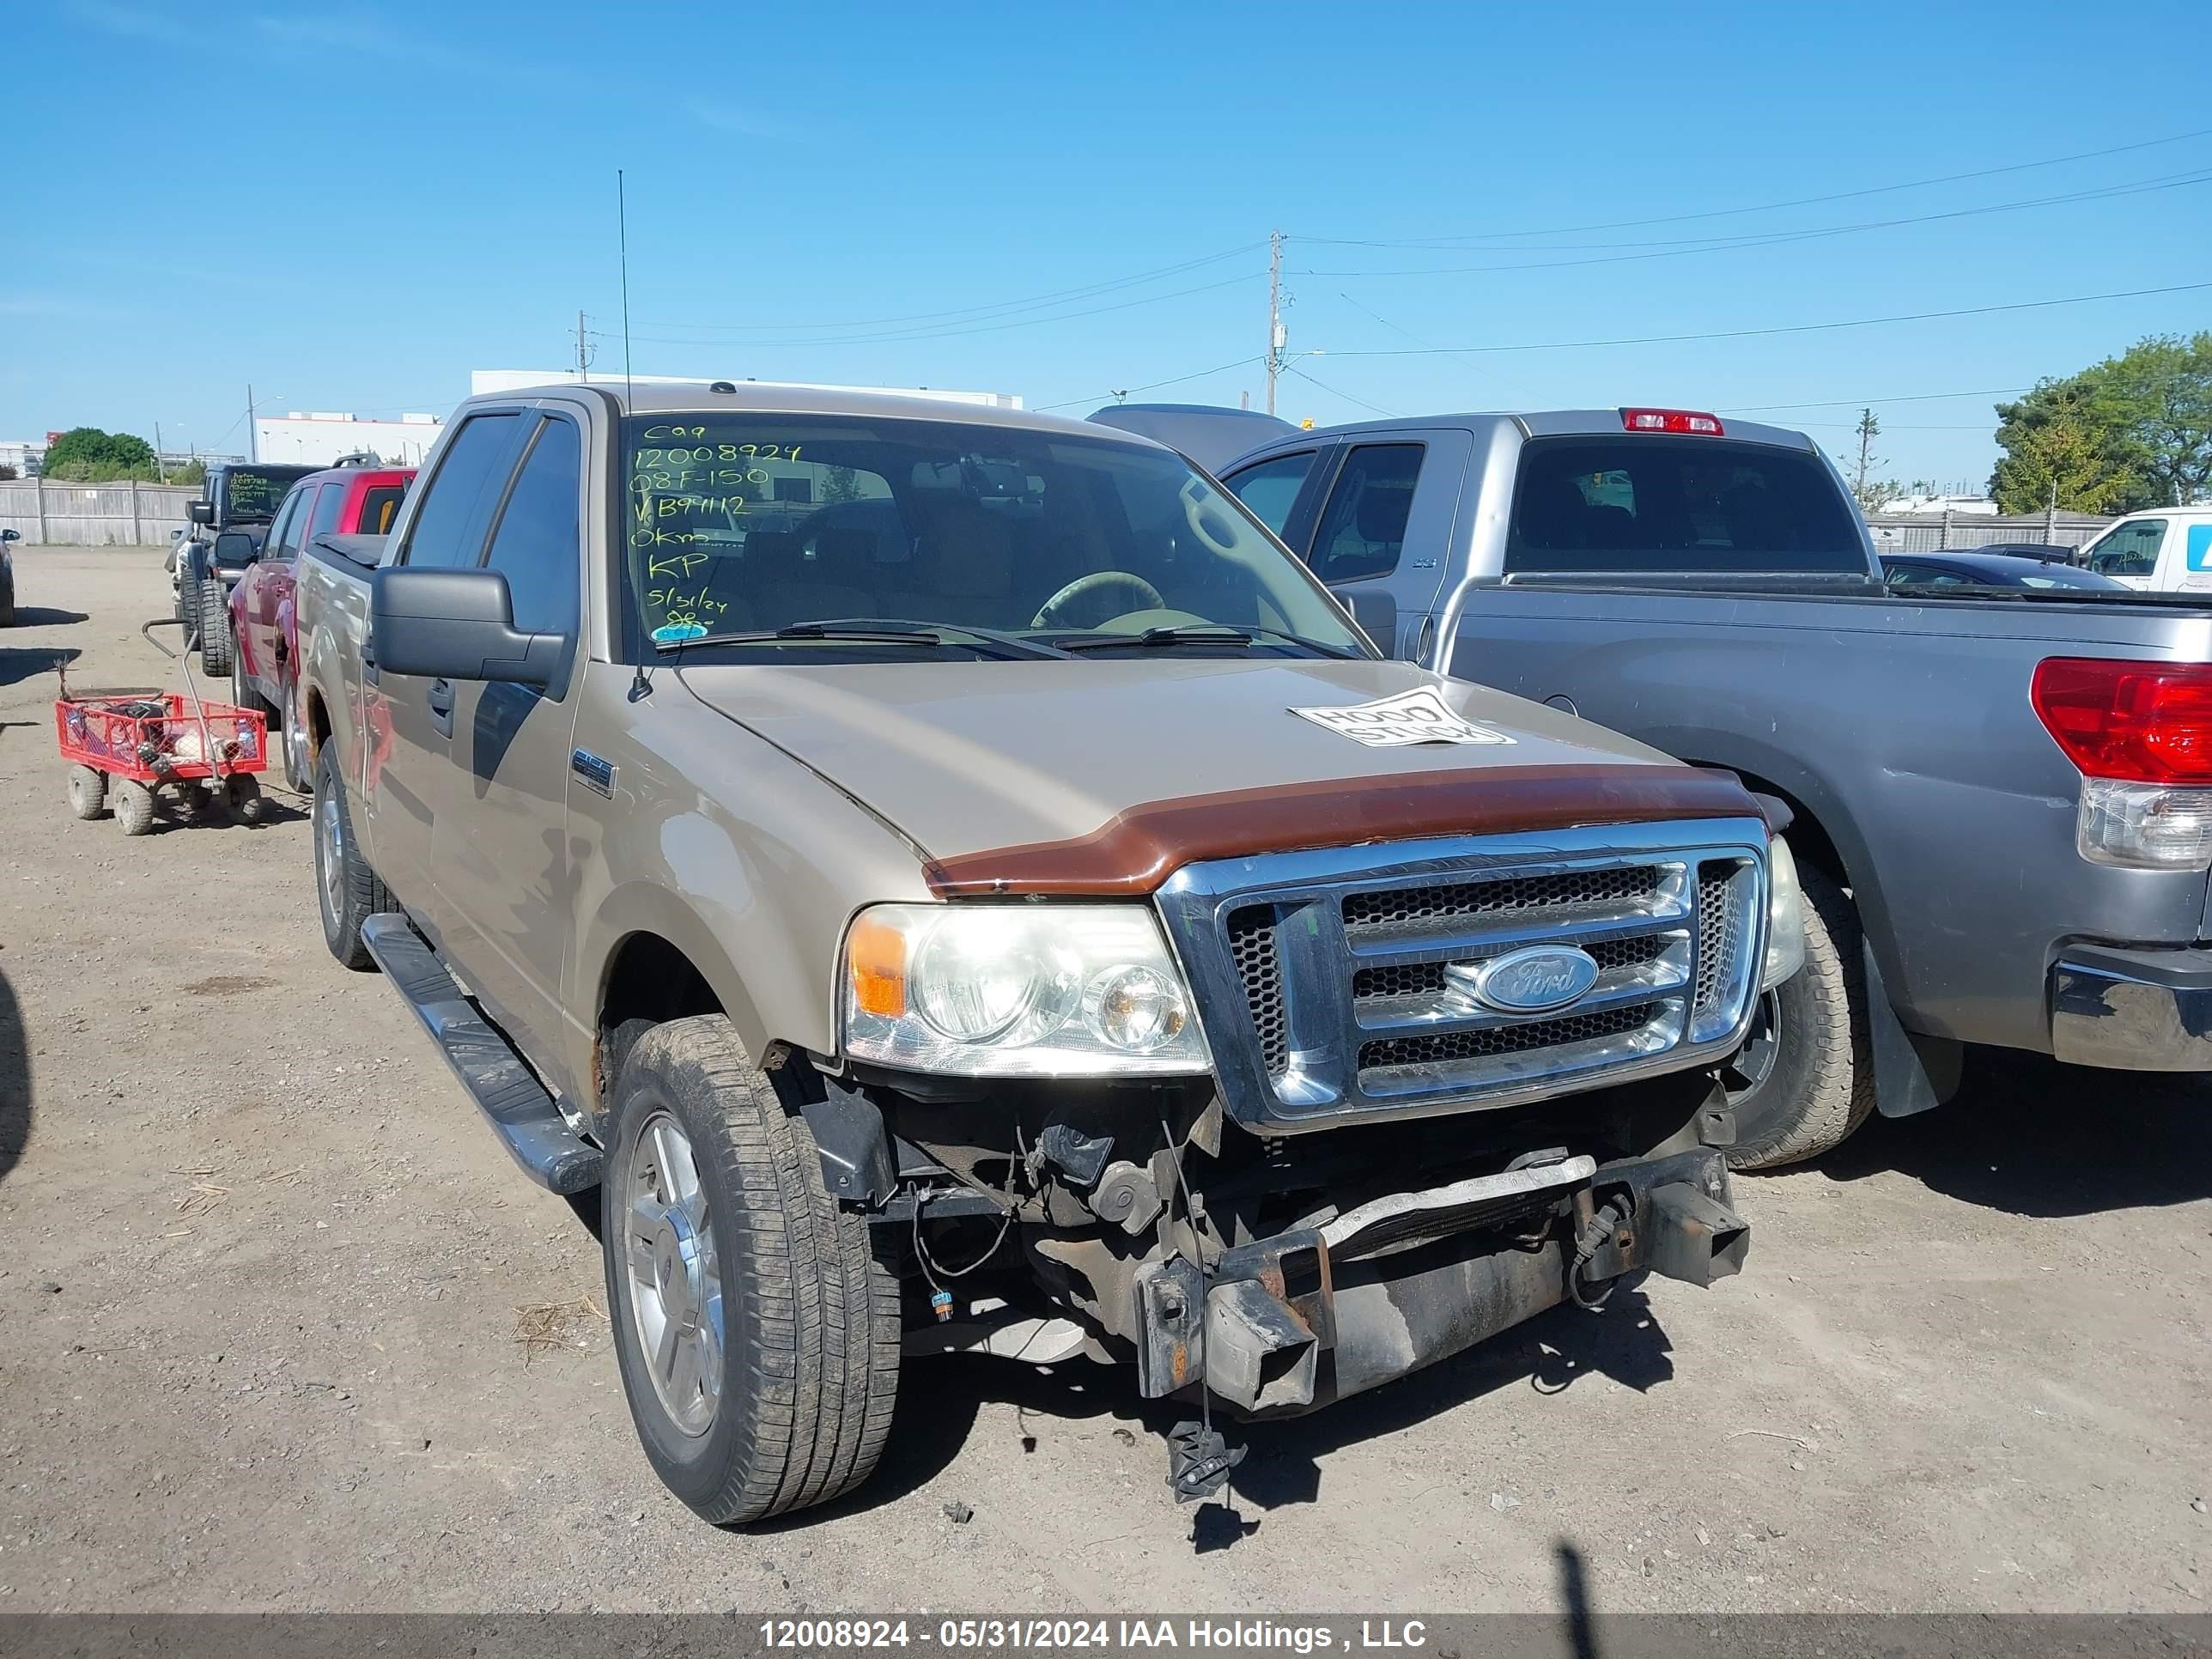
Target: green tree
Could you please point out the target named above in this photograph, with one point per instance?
(840, 483)
(1860, 466)
(2131, 432)
(6, 473)
(85, 454)
(191, 473)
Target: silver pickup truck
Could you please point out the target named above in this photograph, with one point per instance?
(2002, 801)
(950, 881)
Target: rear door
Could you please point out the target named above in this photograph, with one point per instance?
(499, 846)
(410, 718)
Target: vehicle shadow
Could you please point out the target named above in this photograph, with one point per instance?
(2031, 1136)
(173, 817)
(47, 615)
(941, 1401)
(21, 663)
(14, 1081)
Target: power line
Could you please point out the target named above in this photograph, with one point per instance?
(1123, 391)
(1772, 207)
(1865, 403)
(1791, 328)
(1776, 238)
(1333, 392)
(1089, 290)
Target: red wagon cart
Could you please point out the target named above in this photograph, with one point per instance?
(126, 747)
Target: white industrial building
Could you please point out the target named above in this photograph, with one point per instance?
(316, 440)
(482, 380)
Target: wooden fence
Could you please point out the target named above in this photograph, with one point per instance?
(94, 515)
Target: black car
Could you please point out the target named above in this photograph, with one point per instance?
(1983, 568)
(8, 578)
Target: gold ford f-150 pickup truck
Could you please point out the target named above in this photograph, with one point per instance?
(953, 882)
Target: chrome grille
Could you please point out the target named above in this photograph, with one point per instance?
(1321, 975)
(1252, 942)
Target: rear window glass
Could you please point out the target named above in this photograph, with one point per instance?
(1638, 503)
(328, 506)
(377, 507)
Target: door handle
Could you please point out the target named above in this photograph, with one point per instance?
(441, 706)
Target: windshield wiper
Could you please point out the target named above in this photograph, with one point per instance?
(875, 630)
(1153, 638)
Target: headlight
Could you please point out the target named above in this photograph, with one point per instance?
(1017, 990)
(1785, 916)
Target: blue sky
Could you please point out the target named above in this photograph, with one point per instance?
(350, 208)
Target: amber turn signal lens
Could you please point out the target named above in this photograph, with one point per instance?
(875, 957)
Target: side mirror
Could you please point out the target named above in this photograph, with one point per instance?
(11, 535)
(200, 512)
(176, 536)
(458, 625)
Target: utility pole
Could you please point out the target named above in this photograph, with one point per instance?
(159, 472)
(584, 353)
(1276, 338)
(253, 438)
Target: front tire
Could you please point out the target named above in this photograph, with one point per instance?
(87, 792)
(757, 1332)
(1804, 1079)
(346, 890)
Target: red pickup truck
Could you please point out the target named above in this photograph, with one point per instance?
(348, 500)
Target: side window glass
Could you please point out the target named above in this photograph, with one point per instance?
(328, 506)
(537, 544)
(284, 537)
(378, 507)
(449, 525)
(1271, 488)
(2132, 550)
(1362, 528)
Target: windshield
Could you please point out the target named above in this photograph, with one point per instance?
(748, 523)
(251, 492)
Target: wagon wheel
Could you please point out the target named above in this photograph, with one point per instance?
(244, 797)
(134, 806)
(87, 792)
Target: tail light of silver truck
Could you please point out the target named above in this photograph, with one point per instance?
(2140, 732)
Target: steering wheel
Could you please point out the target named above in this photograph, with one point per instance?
(1047, 613)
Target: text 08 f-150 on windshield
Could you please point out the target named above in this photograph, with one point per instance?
(954, 883)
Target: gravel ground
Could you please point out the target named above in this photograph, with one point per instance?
(265, 1286)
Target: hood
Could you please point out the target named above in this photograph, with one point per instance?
(966, 758)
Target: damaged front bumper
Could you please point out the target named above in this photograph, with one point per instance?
(1293, 1321)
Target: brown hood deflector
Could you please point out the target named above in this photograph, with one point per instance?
(1136, 850)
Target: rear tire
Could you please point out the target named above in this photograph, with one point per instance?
(246, 694)
(774, 1292)
(87, 792)
(214, 602)
(134, 806)
(1804, 1081)
(299, 757)
(347, 890)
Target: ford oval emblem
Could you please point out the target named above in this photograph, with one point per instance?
(1532, 980)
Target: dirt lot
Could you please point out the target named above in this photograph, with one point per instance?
(261, 1344)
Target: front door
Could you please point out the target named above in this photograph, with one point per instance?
(411, 718)
(1374, 517)
(500, 842)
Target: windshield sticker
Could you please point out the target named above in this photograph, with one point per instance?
(1421, 716)
(670, 633)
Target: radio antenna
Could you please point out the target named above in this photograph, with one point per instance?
(621, 235)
